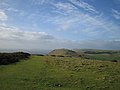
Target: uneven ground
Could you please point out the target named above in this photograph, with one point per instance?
(60, 73)
(103, 56)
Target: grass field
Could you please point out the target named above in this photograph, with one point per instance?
(103, 56)
(60, 73)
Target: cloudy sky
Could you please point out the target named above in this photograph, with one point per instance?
(49, 24)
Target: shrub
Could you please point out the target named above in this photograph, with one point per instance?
(7, 58)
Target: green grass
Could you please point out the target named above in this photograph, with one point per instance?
(60, 73)
(103, 56)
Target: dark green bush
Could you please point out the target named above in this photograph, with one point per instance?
(7, 58)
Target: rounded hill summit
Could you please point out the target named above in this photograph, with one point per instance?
(63, 53)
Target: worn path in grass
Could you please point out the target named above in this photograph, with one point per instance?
(60, 73)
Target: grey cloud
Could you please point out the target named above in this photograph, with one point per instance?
(101, 44)
(14, 33)
(12, 38)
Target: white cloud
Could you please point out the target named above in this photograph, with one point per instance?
(38, 1)
(16, 11)
(67, 17)
(14, 38)
(41, 2)
(116, 14)
(74, 19)
(12, 9)
(13, 33)
(65, 8)
(3, 16)
(8, 6)
(84, 5)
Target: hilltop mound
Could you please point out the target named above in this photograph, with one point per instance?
(63, 53)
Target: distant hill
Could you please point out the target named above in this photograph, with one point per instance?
(96, 54)
(31, 51)
(96, 51)
(63, 53)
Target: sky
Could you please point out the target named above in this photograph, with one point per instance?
(50, 24)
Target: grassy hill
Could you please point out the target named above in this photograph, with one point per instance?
(63, 53)
(99, 54)
(60, 73)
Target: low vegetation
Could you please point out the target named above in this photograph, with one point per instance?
(61, 69)
(7, 58)
(60, 73)
(63, 53)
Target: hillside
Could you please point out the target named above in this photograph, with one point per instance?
(56, 73)
(96, 54)
(63, 53)
(97, 51)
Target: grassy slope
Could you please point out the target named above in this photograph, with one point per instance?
(105, 56)
(63, 52)
(55, 73)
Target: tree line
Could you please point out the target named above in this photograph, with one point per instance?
(7, 58)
